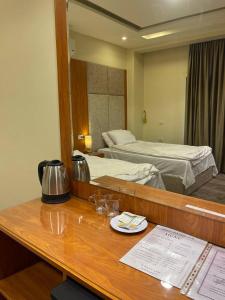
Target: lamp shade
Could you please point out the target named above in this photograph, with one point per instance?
(88, 142)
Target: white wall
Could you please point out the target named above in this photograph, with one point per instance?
(165, 74)
(135, 92)
(98, 51)
(29, 118)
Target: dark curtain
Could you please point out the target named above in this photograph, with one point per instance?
(205, 106)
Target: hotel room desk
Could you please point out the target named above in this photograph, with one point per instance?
(81, 244)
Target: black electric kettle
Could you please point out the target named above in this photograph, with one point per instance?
(54, 181)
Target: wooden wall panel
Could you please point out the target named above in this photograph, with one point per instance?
(79, 101)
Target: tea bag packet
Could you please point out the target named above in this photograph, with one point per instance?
(130, 221)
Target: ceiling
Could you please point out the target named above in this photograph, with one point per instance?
(149, 12)
(186, 21)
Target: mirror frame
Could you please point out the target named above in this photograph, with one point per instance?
(61, 33)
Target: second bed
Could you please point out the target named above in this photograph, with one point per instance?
(183, 168)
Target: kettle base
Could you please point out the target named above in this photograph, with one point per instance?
(55, 199)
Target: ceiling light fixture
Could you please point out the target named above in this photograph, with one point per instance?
(124, 38)
(157, 34)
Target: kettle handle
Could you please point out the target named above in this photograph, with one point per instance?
(41, 166)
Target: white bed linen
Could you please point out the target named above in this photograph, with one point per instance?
(180, 168)
(143, 173)
(190, 153)
(121, 137)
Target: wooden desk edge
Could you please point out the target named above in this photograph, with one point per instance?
(55, 263)
(166, 198)
(163, 208)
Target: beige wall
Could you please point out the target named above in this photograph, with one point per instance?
(101, 52)
(135, 92)
(98, 51)
(164, 94)
(29, 119)
(155, 82)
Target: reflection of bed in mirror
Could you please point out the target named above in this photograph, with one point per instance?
(102, 108)
(183, 168)
(142, 173)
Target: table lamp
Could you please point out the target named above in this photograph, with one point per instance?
(88, 142)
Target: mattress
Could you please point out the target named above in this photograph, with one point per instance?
(179, 168)
(194, 154)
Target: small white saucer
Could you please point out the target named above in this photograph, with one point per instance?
(114, 221)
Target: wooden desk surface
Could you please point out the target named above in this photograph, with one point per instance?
(73, 238)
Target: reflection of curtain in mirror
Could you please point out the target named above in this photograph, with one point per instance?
(205, 107)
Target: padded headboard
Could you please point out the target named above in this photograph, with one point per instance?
(98, 98)
(106, 101)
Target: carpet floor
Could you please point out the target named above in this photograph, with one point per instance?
(214, 190)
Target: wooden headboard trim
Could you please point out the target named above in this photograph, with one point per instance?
(79, 99)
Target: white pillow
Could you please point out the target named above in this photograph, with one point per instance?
(107, 139)
(121, 137)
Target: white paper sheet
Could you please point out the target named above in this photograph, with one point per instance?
(166, 254)
(210, 282)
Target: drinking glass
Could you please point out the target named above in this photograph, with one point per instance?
(112, 205)
(100, 203)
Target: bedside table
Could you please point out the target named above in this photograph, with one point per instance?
(95, 154)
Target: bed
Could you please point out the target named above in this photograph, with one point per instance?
(183, 168)
(143, 173)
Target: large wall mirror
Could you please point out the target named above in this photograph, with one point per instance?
(135, 83)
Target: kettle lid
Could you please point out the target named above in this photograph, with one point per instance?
(78, 158)
(55, 163)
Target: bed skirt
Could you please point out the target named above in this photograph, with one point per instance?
(174, 184)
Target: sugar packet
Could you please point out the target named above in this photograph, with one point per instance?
(129, 221)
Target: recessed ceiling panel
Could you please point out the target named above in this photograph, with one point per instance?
(149, 12)
(88, 21)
